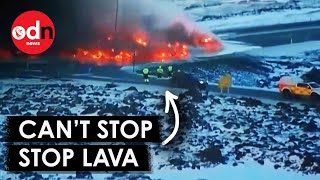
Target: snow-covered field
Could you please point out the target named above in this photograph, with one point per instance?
(220, 137)
(265, 19)
(229, 14)
(293, 59)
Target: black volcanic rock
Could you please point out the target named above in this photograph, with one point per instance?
(284, 106)
(261, 161)
(177, 162)
(277, 166)
(132, 88)
(287, 163)
(311, 126)
(44, 113)
(195, 94)
(9, 91)
(312, 76)
(251, 102)
(211, 154)
(110, 85)
(28, 114)
(308, 160)
(4, 112)
(228, 125)
(97, 94)
(147, 94)
(89, 110)
(14, 110)
(132, 96)
(83, 175)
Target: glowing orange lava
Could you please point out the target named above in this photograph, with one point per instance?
(141, 39)
(143, 47)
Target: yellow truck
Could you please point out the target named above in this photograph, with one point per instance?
(290, 87)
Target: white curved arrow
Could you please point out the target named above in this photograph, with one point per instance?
(170, 100)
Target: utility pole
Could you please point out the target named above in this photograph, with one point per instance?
(116, 27)
(116, 20)
(133, 60)
(116, 30)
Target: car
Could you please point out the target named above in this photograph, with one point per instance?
(187, 81)
(289, 88)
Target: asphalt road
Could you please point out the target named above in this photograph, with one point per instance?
(270, 28)
(288, 31)
(275, 35)
(239, 91)
(249, 92)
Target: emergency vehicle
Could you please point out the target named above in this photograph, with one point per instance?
(289, 87)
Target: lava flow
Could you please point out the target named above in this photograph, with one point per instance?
(124, 32)
(144, 47)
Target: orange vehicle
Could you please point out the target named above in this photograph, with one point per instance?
(290, 87)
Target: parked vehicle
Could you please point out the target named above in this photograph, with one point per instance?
(289, 87)
(184, 80)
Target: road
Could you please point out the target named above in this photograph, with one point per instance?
(269, 28)
(238, 35)
(238, 91)
(274, 35)
(134, 79)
